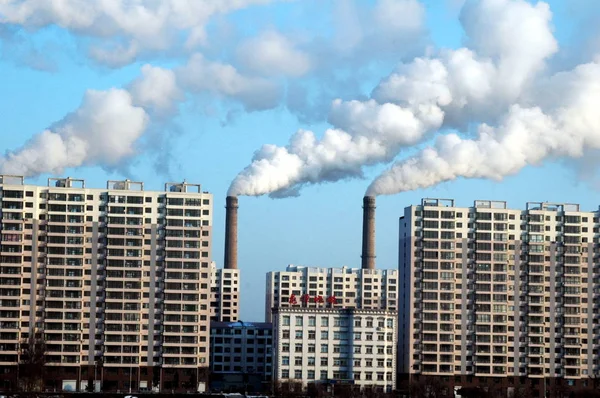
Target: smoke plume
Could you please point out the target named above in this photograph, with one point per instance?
(565, 124)
(509, 43)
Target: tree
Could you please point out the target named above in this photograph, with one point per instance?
(472, 392)
(176, 380)
(290, 388)
(427, 387)
(90, 386)
(156, 377)
(32, 361)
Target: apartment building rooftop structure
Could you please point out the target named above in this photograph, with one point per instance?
(496, 293)
(114, 278)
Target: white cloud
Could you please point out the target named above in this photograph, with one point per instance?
(271, 53)
(156, 89)
(124, 29)
(224, 80)
(103, 130)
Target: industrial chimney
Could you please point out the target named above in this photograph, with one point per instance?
(368, 236)
(231, 225)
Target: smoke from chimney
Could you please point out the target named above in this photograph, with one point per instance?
(368, 236)
(231, 226)
(503, 69)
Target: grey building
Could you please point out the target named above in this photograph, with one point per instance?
(241, 356)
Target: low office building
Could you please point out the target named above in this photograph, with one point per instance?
(320, 345)
(241, 356)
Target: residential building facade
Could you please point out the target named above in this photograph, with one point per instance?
(336, 346)
(115, 281)
(493, 292)
(224, 294)
(241, 356)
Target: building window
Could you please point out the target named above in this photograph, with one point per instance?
(286, 320)
(298, 321)
(285, 374)
(298, 374)
(310, 375)
(299, 334)
(325, 321)
(285, 361)
(312, 321)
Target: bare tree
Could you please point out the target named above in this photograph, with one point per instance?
(290, 388)
(428, 387)
(32, 362)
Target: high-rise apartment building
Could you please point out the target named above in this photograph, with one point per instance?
(334, 325)
(492, 292)
(224, 294)
(351, 287)
(115, 281)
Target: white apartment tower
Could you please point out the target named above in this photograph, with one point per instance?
(224, 294)
(351, 287)
(116, 280)
(489, 291)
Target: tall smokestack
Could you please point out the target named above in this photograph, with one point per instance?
(231, 226)
(368, 243)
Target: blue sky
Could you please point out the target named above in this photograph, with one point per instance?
(220, 83)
